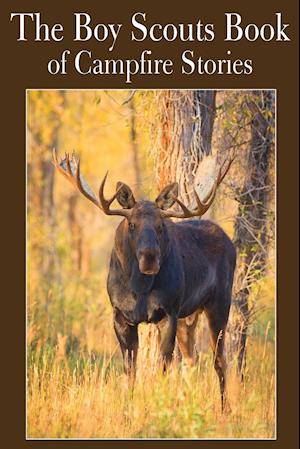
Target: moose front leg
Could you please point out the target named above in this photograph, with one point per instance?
(167, 334)
(128, 338)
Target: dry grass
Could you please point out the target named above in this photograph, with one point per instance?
(76, 387)
(87, 396)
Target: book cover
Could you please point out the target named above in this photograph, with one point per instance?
(151, 232)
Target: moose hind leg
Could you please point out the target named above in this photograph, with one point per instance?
(217, 329)
(127, 336)
(186, 336)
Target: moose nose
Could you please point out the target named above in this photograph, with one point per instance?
(149, 261)
(149, 252)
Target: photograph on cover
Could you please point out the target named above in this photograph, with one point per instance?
(151, 282)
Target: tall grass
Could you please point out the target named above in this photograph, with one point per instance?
(76, 387)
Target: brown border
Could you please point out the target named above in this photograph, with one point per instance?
(23, 66)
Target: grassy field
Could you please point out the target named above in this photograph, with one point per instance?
(76, 388)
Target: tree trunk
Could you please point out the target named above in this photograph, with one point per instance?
(185, 129)
(134, 147)
(251, 225)
(48, 213)
(186, 125)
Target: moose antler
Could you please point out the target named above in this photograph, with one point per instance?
(69, 167)
(204, 205)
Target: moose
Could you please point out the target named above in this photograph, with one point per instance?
(162, 271)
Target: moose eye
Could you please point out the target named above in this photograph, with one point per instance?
(131, 226)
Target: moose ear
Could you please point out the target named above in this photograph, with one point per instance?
(167, 196)
(125, 196)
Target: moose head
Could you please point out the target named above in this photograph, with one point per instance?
(145, 220)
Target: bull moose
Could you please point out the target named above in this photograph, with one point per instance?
(165, 272)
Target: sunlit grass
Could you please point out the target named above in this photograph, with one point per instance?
(77, 389)
(82, 393)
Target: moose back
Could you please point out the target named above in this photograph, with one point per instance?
(165, 272)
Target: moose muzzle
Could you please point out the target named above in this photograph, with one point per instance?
(148, 252)
(149, 261)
